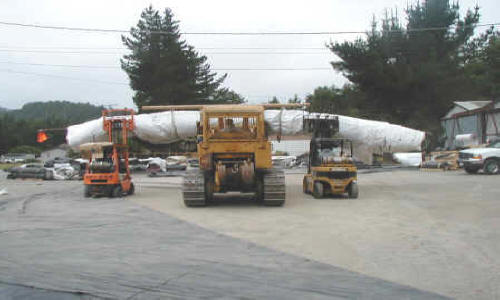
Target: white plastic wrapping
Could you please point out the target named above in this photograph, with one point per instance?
(288, 122)
(165, 127)
(466, 140)
(88, 132)
(408, 159)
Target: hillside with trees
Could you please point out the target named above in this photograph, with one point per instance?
(19, 127)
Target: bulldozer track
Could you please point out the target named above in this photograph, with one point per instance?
(274, 188)
(193, 189)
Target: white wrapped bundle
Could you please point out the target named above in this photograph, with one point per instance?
(290, 121)
(408, 159)
(466, 140)
(87, 132)
(165, 127)
(384, 136)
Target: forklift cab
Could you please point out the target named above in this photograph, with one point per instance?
(331, 169)
(328, 151)
(107, 172)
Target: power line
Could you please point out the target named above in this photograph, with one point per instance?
(62, 77)
(204, 53)
(214, 69)
(125, 48)
(59, 65)
(62, 52)
(274, 69)
(102, 30)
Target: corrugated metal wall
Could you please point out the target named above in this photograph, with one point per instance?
(293, 147)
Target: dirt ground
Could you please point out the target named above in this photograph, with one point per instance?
(56, 244)
(411, 234)
(436, 231)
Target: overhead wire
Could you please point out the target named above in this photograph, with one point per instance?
(9, 47)
(214, 69)
(101, 52)
(103, 30)
(61, 77)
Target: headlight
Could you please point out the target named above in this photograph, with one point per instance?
(477, 156)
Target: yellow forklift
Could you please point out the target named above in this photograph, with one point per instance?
(331, 169)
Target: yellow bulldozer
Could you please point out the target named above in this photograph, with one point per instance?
(234, 154)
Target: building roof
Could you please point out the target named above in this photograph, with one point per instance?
(472, 105)
(467, 106)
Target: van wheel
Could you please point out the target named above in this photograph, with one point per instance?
(471, 170)
(491, 166)
(318, 190)
(353, 190)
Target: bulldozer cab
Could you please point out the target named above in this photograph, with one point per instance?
(227, 123)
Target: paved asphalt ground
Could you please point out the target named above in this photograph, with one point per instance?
(411, 235)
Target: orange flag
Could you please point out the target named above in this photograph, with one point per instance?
(41, 136)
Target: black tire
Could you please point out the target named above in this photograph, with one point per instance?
(259, 189)
(48, 175)
(353, 190)
(491, 166)
(11, 176)
(86, 190)
(131, 190)
(116, 192)
(318, 190)
(304, 186)
(209, 189)
(471, 170)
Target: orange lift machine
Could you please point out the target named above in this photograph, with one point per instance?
(108, 172)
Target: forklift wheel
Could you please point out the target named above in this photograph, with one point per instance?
(117, 191)
(304, 186)
(86, 191)
(353, 190)
(318, 190)
(131, 190)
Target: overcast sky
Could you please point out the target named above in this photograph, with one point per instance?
(21, 83)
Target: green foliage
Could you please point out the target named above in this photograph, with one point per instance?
(226, 96)
(26, 149)
(294, 100)
(407, 75)
(162, 68)
(345, 101)
(56, 110)
(20, 127)
(274, 100)
(482, 67)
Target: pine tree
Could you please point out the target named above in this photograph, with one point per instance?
(409, 74)
(163, 68)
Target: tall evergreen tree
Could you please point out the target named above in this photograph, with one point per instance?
(164, 69)
(410, 74)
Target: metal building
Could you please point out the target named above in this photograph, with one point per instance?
(476, 121)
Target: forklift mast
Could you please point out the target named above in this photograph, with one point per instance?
(321, 127)
(118, 123)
